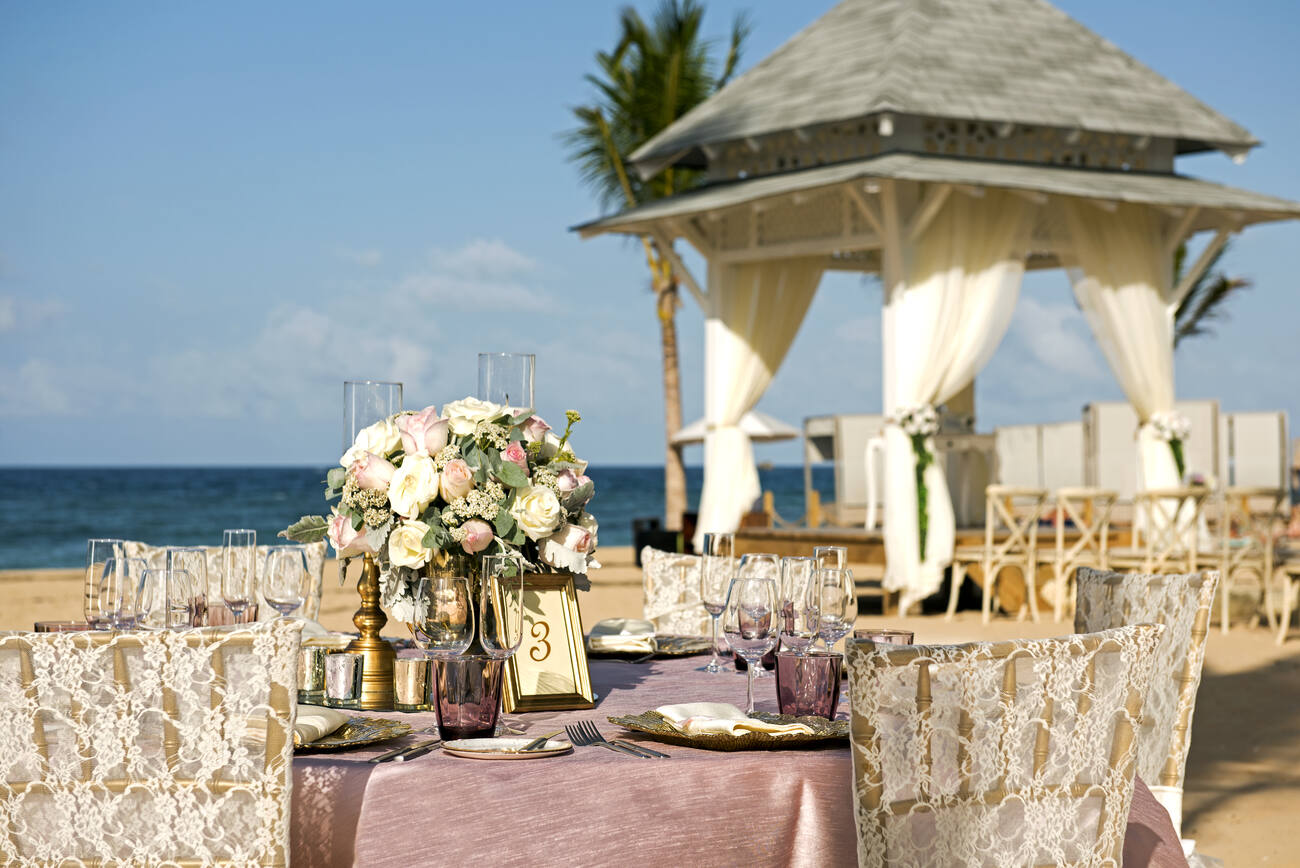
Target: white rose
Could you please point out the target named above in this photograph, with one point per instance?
(536, 510)
(406, 545)
(381, 438)
(414, 486)
(466, 414)
(566, 549)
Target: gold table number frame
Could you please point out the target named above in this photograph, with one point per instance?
(549, 671)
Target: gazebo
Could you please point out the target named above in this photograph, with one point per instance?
(947, 145)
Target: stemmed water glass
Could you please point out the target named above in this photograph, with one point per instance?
(238, 571)
(443, 624)
(99, 552)
(715, 573)
(750, 623)
(193, 560)
(838, 601)
(800, 607)
(284, 585)
(118, 593)
(501, 605)
(758, 565)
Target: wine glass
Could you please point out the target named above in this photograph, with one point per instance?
(238, 571)
(99, 613)
(118, 593)
(501, 605)
(193, 560)
(715, 572)
(164, 599)
(507, 379)
(284, 585)
(759, 566)
(838, 601)
(444, 616)
(800, 609)
(832, 557)
(750, 623)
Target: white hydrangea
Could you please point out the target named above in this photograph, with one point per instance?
(920, 419)
(1170, 425)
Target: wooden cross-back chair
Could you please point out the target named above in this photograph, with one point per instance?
(147, 748)
(997, 753)
(1011, 517)
(1182, 603)
(1246, 526)
(1166, 531)
(1088, 510)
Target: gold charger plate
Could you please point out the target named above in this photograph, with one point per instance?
(653, 723)
(356, 732)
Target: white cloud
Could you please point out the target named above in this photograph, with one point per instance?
(367, 257)
(483, 275)
(36, 388)
(1056, 336)
(22, 313)
(484, 258)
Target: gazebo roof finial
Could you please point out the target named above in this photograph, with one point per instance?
(1005, 62)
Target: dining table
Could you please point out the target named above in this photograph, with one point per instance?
(791, 806)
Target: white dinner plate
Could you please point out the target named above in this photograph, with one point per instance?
(504, 748)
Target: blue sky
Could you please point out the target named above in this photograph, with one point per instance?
(211, 214)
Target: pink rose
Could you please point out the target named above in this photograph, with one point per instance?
(570, 486)
(348, 543)
(515, 454)
(371, 471)
(478, 536)
(567, 548)
(456, 481)
(566, 482)
(423, 433)
(534, 428)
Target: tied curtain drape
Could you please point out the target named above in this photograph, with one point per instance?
(1123, 281)
(948, 308)
(755, 311)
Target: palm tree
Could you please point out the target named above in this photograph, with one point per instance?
(655, 74)
(1206, 299)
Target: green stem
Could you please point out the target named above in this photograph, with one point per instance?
(923, 460)
(1176, 447)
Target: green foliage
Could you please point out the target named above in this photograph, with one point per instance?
(1207, 299)
(511, 474)
(308, 529)
(924, 458)
(656, 73)
(1176, 447)
(334, 480)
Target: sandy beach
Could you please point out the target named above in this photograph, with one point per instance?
(1243, 775)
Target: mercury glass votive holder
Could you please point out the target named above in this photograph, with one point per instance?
(311, 675)
(411, 684)
(343, 670)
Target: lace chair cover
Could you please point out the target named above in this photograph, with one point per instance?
(671, 583)
(1182, 603)
(147, 748)
(316, 554)
(996, 754)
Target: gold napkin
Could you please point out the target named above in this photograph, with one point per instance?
(627, 635)
(316, 722)
(719, 718)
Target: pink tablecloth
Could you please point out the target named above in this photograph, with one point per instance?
(595, 807)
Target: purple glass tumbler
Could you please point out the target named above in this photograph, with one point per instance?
(469, 695)
(808, 684)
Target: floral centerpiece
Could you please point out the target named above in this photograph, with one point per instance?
(919, 423)
(422, 489)
(1173, 428)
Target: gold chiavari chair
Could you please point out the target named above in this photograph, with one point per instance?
(997, 753)
(1182, 603)
(147, 748)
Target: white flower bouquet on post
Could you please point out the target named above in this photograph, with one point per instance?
(422, 488)
(919, 423)
(1173, 428)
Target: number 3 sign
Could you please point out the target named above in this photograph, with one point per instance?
(549, 671)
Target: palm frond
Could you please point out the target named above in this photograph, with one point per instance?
(1207, 300)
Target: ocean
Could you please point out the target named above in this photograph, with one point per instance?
(47, 514)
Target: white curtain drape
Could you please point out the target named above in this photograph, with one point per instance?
(1123, 281)
(755, 311)
(956, 293)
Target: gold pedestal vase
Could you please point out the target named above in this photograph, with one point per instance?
(377, 675)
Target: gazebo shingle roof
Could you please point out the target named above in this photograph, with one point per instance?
(1018, 61)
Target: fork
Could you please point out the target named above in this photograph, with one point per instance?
(593, 733)
(578, 736)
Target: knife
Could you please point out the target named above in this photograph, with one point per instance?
(394, 754)
(540, 742)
